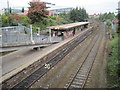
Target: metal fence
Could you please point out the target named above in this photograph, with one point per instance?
(46, 39)
(20, 35)
(14, 35)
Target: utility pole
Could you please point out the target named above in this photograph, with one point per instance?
(8, 12)
(0, 20)
(118, 17)
(118, 7)
(8, 7)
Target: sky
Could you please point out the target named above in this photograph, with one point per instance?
(91, 6)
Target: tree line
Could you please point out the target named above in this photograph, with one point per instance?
(78, 14)
(107, 16)
(38, 15)
(37, 11)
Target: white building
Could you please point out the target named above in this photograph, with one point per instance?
(56, 10)
(53, 9)
(2, 11)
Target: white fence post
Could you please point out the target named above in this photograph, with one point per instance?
(50, 35)
(39, 35)
(31, 36)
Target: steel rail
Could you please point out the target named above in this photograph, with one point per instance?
(83, 81)
(30, 80)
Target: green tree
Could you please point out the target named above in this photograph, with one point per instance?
(73, 15)
(107, 16)
(10, 10)
(65, 18)
(85, 15)
(78, 14)
(23, 10)
(7, 20)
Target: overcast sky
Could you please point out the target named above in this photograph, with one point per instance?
(92, 6)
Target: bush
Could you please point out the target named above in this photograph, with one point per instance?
(8, 21)
(25, 20)
(113, 63)
(4, 21)
(13, 20)
(53, 17)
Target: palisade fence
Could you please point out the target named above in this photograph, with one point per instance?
(21, 35)
(14, 35)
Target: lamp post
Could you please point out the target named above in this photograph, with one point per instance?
(8, 6)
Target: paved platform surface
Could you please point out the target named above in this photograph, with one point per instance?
(6, 49)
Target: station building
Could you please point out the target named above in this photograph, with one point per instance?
(68, 30)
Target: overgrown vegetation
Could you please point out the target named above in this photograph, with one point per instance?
(13, 20)
(113, 62)
(107, 16)
(113, 70)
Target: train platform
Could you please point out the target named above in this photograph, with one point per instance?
(12, 65)
(19, 47)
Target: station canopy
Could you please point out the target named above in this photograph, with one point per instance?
(67, 26)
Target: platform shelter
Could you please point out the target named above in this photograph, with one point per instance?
(67, 30)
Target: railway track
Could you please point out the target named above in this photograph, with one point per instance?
(60, 75)
(81, 75)
(30, 80)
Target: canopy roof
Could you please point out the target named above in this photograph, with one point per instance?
(67, 26)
